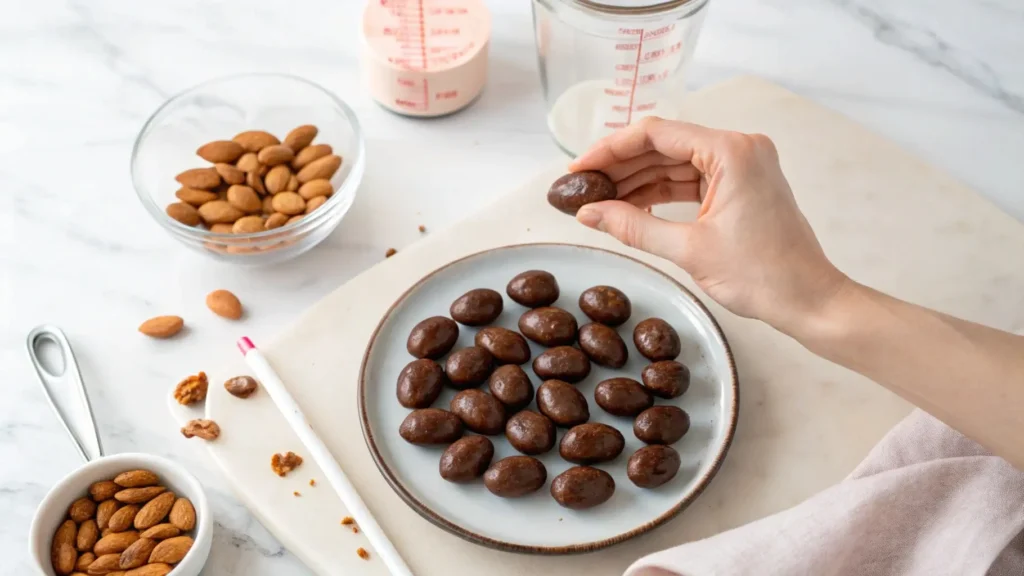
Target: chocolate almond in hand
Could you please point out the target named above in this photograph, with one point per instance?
(570, 192)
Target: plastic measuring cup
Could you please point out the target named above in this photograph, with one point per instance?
(606, 64)
(425, 57)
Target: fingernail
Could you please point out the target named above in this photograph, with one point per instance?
(590, 218)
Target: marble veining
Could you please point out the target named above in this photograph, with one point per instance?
(79, 77)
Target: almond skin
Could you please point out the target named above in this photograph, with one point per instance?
(138, 495)
(277, 178)
(245, 199)
(115, 543)
(162, 326)
(201, 178)
(293, 184)
(248, 162)
(274, 155)
(195, 197)
(219, 212)
(229, 173)
(276, 220)
(137, 554)
(314, 188)
(154, 511)
(321, 168)
(161, 532)
(300, 137)
(288, 203)
(184, 213)
(310, 153)
(64, 558)
(255, 181)
(248, 225)
(103, 490)
(224, 304)
(88, 534)
(220, 151)
(315, 203)
(84, 559)
(255, 140)
(67, 533)
(172, 550)
(136, 479)
(183, 515)
(81, 510)
(159, 569)
(268, 207)
(104, 511)
(105, 564)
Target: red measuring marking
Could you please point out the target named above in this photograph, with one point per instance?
(636, 70)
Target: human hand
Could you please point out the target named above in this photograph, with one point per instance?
(751, 249)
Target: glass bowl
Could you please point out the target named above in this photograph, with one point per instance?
(219, 109)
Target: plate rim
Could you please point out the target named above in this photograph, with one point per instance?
(441, 522)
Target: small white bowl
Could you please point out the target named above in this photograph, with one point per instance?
(53, 509)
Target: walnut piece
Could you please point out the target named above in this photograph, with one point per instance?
(241, 386)
(205, 429)
(192, 389)
(282, 464)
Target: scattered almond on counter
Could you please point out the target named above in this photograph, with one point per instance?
(162, 326)
(205, 429)
(224, 304)
(282, 464)
(192, 389)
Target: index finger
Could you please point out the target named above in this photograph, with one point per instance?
(674, 139)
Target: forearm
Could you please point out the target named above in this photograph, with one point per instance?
(969, 376)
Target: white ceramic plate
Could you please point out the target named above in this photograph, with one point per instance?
(536, 523)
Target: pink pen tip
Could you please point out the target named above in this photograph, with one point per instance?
(244, 345)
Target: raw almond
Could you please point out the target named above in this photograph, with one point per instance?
(321, 168)
(103, 490)
(104, 511)
(162, 326)
(201, 178)
(300, 137)
(138, 495)
(222, 228)
(64, 558)
(184, 213)
(224, 304)
(195, 197)
(276, 220)
(315, 203)
(274, 155)
(115, 543)
(84, 559)
(219, 212)
(310, 153)
(136, 479)
(220, 151)
(245, 199)
(172, 550)
(314, 188)
(229, 173)
(81, 510)
(288, 203)
(161, 531)
(159, 569)
(88, 534)
(248, 162)
(137, 554)
(106, 532)
(248, 225)
(293, 219)
(255, 181)
(66, 534)
(293, 184)
(256, 140)
(277, 179)
(105, 564)
(154, 511)
(183, 515)
(268, 207)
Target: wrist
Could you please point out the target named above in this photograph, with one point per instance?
(831, 306)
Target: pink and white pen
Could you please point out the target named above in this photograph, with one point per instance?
(341, 484)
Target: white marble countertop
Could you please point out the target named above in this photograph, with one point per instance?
(78, 79)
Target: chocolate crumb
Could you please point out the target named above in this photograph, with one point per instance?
(422, 228)
(391, 252)
(312, 482)
(363, 554)
(347, 521)
(296, 493)
(355, 529)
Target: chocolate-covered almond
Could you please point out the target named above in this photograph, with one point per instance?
(530, 433)
(582, 487)
(511, 385)
(433, 337)
(622, 396)
(533, 288)
(479, 411)
(468, 367)
(606, 305)
(515, 476)
(603, 345)
(562, 403)
(562, 363)
(419, 383)
(666, 379)
(661, 424)
(591, 443)
(572, 191)
(466, 459)
(652, 466)
(506, 346)
(656, 340)
(548, 326)
(431, 426)
(477, 307)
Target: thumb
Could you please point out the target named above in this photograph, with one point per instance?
(637, 228)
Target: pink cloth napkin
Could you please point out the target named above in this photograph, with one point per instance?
(926, 501)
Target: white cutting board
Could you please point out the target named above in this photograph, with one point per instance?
(883, 216)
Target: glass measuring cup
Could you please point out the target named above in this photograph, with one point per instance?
(605, 64)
